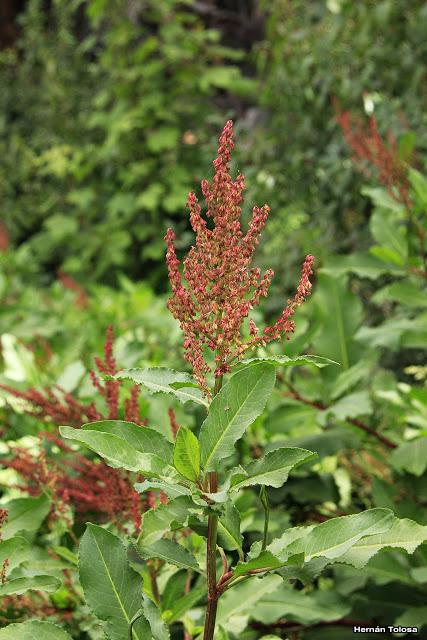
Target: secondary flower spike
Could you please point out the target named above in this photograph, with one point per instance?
(220, 286)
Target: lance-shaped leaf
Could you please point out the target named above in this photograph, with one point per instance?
(233, 409)
(152, 614)
(186, 454)
(166, 517)
(18, 586)
(403, 534)
(333, 538)
(306, 608)
(295, 361)
(66, 554)
(170, 552)
(15, 550)
(25, 515)
(237, 605)
(142, 439)
(411, 456)
(181, 605)
(118, 453)
(330, 540)
(163, 380)
(33, 630)
(229, 536)
(171, 490)
(271, 470)
(112, 589)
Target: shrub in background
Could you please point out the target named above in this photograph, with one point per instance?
(101, 110)
(365, 54)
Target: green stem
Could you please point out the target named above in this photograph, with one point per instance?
(266, 506)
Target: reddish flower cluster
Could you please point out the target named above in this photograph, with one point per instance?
(370, 151)
(57, 406)
(222, 288)
(88, 486)
(68, 282)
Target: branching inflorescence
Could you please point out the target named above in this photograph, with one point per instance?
(221, 286)
(372, 153)
(88, 486)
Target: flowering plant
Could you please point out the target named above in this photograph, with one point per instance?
(190, 549)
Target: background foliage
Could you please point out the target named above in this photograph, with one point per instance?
(108, 117)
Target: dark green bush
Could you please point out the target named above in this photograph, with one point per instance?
(101, 108)
(368, 55)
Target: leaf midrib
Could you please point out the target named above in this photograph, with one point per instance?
(230, 423)
(113, 585)
(336, 546)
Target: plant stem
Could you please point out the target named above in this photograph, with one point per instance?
(211, 567)
(213, 594)
(266, 506)
(154, 586)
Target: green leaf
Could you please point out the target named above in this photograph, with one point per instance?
(273, 469)
(35, 583)
(419, 184)
(388, 566)
(165, 517)
(237, 605)
(286, 361)
(349, 378)
(388, 334)
(159, 630)
(112, 589)
(411, 456)
(340, 313)
(15, 550)
(412, 617)
(170, 552)
(67, 554)
(171, 490)
(233, 409)
(143, 439)
(362, 264)
(306, 608)
(118, 453)
(383, 200)
(389, 232)
(351, 406)
(186, 454)
(229, 536)
(406, 293)
(265, 560)
(174, 589)
(403, 534)
(419, 574)
(162, 139)
(161, 379)
(183, 604)
(33, 630)
(25, 515)
(331, 540)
